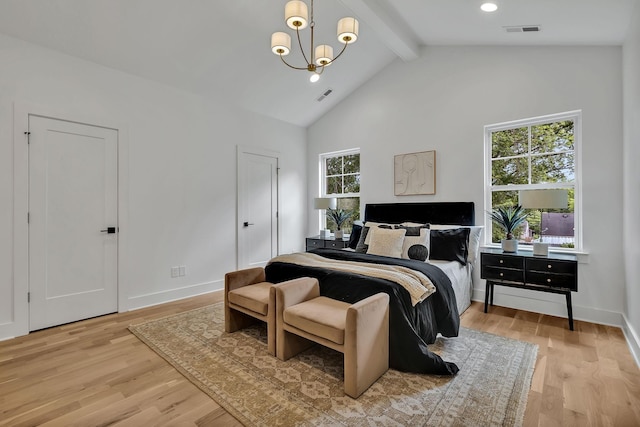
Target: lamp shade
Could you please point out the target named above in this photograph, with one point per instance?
(324, 203)
(281, 43)
(348, 30)
(544, 199)
(296, 15)
(324, 55)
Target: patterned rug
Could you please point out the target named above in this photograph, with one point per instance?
(260, 390)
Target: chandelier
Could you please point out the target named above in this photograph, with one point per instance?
(296, 15)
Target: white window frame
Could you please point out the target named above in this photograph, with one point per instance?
(576, 117)
(322, 190)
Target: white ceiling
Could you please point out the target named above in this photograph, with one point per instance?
(220, 48)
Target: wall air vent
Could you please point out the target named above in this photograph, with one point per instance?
(324, 94)
(523, 29)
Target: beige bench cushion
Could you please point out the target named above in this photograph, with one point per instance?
(322, 316)
(253, 297)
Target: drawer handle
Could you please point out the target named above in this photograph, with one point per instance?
(549, 266)
(501, 261)
(501, 274)
(548, 280)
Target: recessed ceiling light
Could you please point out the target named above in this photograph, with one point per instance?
(489, 6)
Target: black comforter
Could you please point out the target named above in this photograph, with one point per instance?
(410, 328)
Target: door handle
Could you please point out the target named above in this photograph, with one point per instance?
(247, 223)
(109, 230)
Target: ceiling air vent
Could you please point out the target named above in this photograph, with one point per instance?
(325, 94)
(523, 29)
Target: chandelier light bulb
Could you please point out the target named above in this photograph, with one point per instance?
(314, 77)
(489, 6)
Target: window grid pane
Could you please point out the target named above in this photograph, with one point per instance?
(526, 157)
(342, 180)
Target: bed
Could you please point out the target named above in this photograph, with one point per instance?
(413, 325)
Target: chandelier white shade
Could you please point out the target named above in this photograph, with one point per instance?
(348, 30)
(297, 17)
(324, 55)
(281, 43)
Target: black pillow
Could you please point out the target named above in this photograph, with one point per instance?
(356, 231)
(361, 247)
(419, 252)
(450, 245)
(412, 230)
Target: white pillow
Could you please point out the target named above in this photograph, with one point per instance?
(386, 242)
(371, 225)
(475, 237)
(422, 239)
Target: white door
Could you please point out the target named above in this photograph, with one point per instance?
(72, 205)
(257, 207)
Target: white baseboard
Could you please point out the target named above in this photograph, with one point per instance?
(558, 307)
(546, 303)
(155, 298)
(633, 339)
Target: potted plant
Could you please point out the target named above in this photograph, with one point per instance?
(338, 216)
(509, 218)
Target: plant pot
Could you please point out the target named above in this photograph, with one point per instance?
(509, 245)
(338, 234)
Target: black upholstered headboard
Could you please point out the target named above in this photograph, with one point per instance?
(461, 213)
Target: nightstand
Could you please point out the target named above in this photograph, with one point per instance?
(554, 273)
(324, 242)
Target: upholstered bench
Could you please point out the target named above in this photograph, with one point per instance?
(247, 297)
(360, 331)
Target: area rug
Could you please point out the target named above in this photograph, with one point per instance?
(259, 390)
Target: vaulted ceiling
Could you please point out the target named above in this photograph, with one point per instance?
(221, 48)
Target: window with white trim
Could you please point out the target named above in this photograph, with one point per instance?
(540, 153)
(340, 179)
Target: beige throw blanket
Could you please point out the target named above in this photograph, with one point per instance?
(417, 284)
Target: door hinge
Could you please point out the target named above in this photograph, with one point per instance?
(28, 296)
(28, 139)
(28, 217)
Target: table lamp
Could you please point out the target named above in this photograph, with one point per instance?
(543, 199)
(324, 203)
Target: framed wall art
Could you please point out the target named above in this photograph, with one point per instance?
(415, 173)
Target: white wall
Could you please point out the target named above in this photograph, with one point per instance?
(631, 154)
(441, 102)
(181, 171)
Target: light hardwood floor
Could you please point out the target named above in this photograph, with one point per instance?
(95, 373)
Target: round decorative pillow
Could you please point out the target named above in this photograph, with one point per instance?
(419, 252)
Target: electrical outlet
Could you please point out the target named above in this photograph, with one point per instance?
(182, 270)
(175, 271)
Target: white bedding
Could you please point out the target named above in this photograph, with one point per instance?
(461, 281)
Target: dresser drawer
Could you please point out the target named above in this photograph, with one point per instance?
(502, 261)
(551, 266)
(497, 273)
(567, 281)
(315, 243)
(338, 244)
